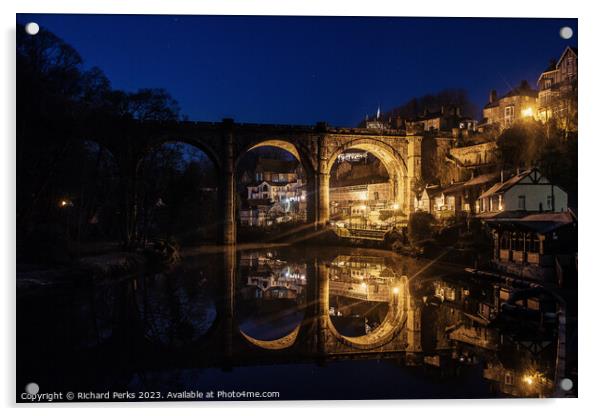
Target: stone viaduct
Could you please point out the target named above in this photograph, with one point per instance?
(225, 143)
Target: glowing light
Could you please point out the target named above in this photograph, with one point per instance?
(396, 206)
(395, 290)
(364, 285)
(64, 203)
(528, 379)
(527, 112)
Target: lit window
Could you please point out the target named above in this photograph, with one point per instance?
(509, 115)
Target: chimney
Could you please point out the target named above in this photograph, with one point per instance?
(492, 96)
(524, 85)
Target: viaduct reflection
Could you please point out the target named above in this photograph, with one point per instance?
(279, 306)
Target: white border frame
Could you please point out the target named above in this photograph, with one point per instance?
(589, 149)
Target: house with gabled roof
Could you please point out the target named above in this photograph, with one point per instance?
(532, 228)
(555, 83)
(527, 191)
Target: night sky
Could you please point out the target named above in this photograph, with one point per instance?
(300, 70)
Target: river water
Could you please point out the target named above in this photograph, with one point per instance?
(306, 323)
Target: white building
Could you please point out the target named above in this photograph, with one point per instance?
(277, 191)
(278, 194)
(527, 191)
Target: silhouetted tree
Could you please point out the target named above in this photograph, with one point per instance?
(68, 187)
(420, 228)
(520, 145)
(431, 102)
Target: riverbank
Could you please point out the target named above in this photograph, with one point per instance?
(83, 270)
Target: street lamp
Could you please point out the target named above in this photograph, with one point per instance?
(63, 203)
(527, 112)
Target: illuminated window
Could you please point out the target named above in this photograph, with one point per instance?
(509, 115)
(569, 65)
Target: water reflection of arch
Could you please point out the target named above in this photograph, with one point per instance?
(282, 343)
(291, 338)
(389, 328)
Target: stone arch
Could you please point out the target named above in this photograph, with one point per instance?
(290, 145)
(210, 228)
(392, 160)
(200, 144)
(285, 144)
(105, 147)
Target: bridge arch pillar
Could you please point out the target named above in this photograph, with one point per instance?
(323, 185)
(323, 198)
(227, 184)
(414, 171)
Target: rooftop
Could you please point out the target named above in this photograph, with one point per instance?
(482, 179)
(501, 187)
(524, 89)
(543, 222)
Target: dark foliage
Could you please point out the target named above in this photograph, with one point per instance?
(420, 228)
(432, 102)
(71, 188)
